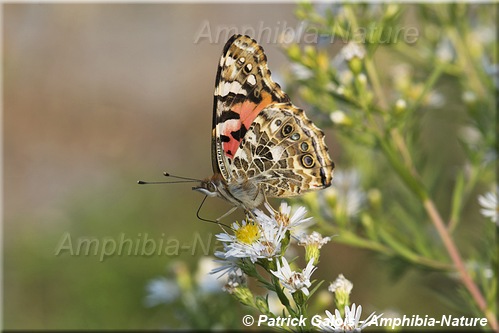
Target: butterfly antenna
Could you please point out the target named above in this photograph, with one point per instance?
(206, 220)
(142, 182)
(166, 174)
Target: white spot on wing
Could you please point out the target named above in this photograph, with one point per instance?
(276, 152)
(224, 88)
(252, 80)
(229, 61)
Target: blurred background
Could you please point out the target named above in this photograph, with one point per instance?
(97, 96)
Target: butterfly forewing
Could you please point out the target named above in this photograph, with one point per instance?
(243, 89)
(262, 145)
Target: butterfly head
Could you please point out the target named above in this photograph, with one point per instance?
(210, 187)
(207, 187)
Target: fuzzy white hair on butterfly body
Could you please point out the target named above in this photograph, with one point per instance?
(239, 192)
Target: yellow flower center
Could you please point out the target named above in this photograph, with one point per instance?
(248, 234)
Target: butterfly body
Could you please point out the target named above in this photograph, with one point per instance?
(262, 145)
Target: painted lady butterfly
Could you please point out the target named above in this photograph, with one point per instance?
(262, 145)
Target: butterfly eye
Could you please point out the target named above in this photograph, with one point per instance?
(307, 161)
(304, 146)
(286, 130)
(211, 187)
(295, 136)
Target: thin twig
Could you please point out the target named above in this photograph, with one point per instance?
(458, 262)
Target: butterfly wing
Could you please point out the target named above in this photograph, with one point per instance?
(284, 153)
(243, 89)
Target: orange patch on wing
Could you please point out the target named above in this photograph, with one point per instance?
(247, 111)
(231, 146)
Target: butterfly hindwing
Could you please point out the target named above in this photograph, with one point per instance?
(243, 89)
(284, 153)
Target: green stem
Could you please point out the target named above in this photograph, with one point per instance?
(466, 61)
(435, 74)
(375, 82)
(349, 238)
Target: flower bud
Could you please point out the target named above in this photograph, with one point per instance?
(374, 198)
(341, 288)
(313, 244)
(294, 52)
(400, 105)
(355, 65)
(243, 295)
(262, 304)
(391, 10)
(339, 117)
(183, 276)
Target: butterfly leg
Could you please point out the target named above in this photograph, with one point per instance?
(266, 202)
(230, 211)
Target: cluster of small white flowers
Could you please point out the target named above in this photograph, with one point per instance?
(261, 237)
(268, 234)
(351, 322)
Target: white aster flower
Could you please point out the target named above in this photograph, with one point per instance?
(244, 241)
(227, 264)
(400, 104)
(271, 239)
(445, 51)
(161, 290)
(351, 323)
(313, 244)
(490, 209)
(338, 117)
(206, 282)
(294, 281)
(469, 97)
(345, 76)
(347, 192)
(235, 280)
(435, 99)
(314, 239)
(353, 50)
(253, 240)
(284, 218)
(341, 284)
